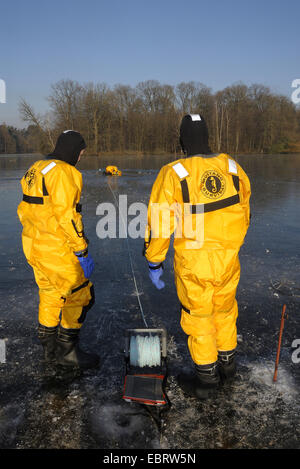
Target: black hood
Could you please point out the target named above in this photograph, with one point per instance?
(194, 135)
(68, 147)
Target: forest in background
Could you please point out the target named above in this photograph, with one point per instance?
(146, 118)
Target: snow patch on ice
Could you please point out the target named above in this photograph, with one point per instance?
(262, 373)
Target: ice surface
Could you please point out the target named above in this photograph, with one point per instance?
(40, 408)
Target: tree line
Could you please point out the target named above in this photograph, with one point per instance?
(146, 118)
(13, 140)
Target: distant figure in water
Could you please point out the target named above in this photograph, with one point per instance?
(112, 171)
(210, 191)
(55, 246)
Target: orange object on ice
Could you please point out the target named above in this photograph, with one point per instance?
(112, 171)
(283, 317)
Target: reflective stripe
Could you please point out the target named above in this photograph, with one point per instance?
(48, 167)
(195, 117)
(212, 206)
(232, 167)
(180, 170)
(33, 200)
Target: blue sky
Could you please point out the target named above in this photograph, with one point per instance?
(217, 43)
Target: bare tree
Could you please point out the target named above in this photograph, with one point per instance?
(28, 115)
(146, 118)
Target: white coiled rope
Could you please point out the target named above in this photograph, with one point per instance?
(145, 350)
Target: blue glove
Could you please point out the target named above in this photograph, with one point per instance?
(87, 265)
(155, 272)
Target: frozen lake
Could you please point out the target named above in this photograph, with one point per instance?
(40, 409)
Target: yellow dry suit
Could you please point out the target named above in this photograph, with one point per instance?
(52, 234)
(112, 171)
(205, 201)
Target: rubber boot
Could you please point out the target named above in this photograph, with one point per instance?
(47, 337)
(68, 352)
(202, 383)
(227, 365)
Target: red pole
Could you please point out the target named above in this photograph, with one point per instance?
(279, 341)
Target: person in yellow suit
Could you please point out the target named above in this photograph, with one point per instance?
(112, 171)
(204, 199)
(55, 246)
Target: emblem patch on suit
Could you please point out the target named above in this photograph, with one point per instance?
(212, 184)
(30, 177)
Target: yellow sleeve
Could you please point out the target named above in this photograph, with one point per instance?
(160, 217)
(245, 193)
(65, 194)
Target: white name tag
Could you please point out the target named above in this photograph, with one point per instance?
(47, 168)
(180, 170)
(232, 168)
